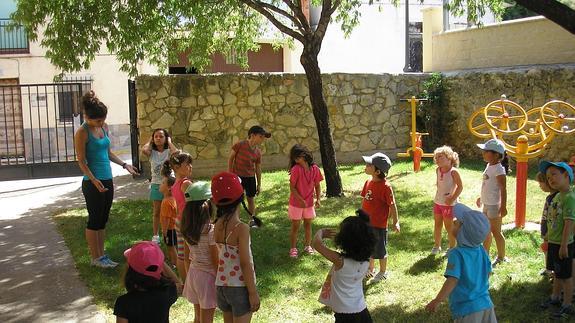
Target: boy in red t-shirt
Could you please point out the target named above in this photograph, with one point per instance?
(379, 202)
(245, 161)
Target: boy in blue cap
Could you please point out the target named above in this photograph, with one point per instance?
(468, 269)
(560, 218)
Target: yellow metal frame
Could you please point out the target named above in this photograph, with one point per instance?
(413, 134)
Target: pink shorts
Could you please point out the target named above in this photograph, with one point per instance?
(200, 288)
(446, 211)
(297, 213)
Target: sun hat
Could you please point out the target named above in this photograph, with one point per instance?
(198, 191)
(543, 165)
(258, 130)
(493, 145)
(146, 258)
(474, 225)
(226, 188)
(379, 160)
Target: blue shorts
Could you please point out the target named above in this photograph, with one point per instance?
(380, 250)
(155, 194)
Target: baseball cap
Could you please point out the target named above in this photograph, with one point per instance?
(226, 188)
(543, 165)
(474, 225)
(258, 130)
(146, 258)
(379, 160)
(198, 191)
(493, 145)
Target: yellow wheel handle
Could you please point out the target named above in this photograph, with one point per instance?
(498, 116)
(555, 114)
(534, 127)
(477, 125)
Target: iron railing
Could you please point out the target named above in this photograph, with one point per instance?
(13, 38)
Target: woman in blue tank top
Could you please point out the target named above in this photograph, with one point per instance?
(94, 156)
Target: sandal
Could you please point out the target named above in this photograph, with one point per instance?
(293, 252)
(309, 250)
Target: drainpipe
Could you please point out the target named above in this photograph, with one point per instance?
(407, 68)
(445, 15)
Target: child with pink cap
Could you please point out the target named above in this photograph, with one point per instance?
(152, 286)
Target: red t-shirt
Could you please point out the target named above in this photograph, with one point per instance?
(377, 198)
(246, 159)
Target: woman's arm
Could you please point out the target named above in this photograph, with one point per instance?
(502, 183)
(328, 253)
(247, 267)
(147, 148)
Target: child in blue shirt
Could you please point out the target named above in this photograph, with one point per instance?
(468, 269)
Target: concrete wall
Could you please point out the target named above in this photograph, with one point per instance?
(526, 41)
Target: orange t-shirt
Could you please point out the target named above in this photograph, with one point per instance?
(168, 210)
(377, 199)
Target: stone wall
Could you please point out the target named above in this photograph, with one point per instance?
(207, 114)
(529, 87)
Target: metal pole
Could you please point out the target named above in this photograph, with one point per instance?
(407, 67)
(445, 15)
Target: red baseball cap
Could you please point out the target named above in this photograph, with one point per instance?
(226, 188)
(146, 258)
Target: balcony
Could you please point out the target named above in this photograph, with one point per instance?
(13, 38)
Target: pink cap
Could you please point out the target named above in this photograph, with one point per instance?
(226, 188)
(143, 255)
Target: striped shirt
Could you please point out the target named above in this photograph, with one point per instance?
(200, 256)
(246, 159)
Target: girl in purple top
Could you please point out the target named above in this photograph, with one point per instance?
(305, 178)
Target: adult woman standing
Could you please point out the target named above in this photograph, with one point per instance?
(93, 152)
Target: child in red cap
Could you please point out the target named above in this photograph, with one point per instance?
(152, 286)
(236, 291)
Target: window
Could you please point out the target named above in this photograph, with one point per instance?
(232, 57)
(69, 95)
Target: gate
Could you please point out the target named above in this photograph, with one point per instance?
(37, 126)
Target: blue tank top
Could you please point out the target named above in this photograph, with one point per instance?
(97, 157)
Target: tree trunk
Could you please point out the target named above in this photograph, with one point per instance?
(319, 107)
(553, 10)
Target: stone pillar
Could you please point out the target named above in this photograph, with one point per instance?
(432, 24)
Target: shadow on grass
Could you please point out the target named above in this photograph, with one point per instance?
(426, 265)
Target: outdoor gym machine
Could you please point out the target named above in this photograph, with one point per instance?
(506, 120)
(416, 137)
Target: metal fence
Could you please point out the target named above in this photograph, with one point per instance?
(13, 38)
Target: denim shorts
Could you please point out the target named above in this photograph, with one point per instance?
(233, 299)
(155, 194)
(491, 211)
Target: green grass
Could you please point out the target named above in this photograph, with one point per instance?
(289, 288)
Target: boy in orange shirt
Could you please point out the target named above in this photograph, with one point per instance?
(168, 216)
(379, 203)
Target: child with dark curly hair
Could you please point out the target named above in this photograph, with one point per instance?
(342, 289)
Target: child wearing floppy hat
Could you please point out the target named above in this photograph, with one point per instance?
(245, 161)
(236, 291)
(560, 219)
(152, 286)
(379, 203)
(468, 269)
(198, 231)
(494, 194)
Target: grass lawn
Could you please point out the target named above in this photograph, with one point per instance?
(289, 288)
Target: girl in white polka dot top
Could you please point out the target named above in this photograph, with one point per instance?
(237, 296)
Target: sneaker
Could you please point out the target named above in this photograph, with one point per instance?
(293, 252)
(498, 260)
(156, 239)
(379, 277)
(370, 273)
(309, 250)
(564, 312)
(545, 272)
(99, 262)
(550, 302)
(109, 261)
(435, 250)
(253, 224)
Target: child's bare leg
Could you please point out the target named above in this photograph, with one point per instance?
(293, 233)
(498, 236)
(197, 313)
(487, 243)
(156, 205)
(557, 285)
(246, 318)
(228, 317)
(180, 265)
(207, 315)
(383, 264)
(437, 230)
(251, 205)
(448, 223)
(567, 290)
(371, 264)
(172, 255)
(307, 231)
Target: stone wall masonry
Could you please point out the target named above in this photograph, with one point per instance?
(530, 87)
(206, 114)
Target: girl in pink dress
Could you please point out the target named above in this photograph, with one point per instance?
(305, 178)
